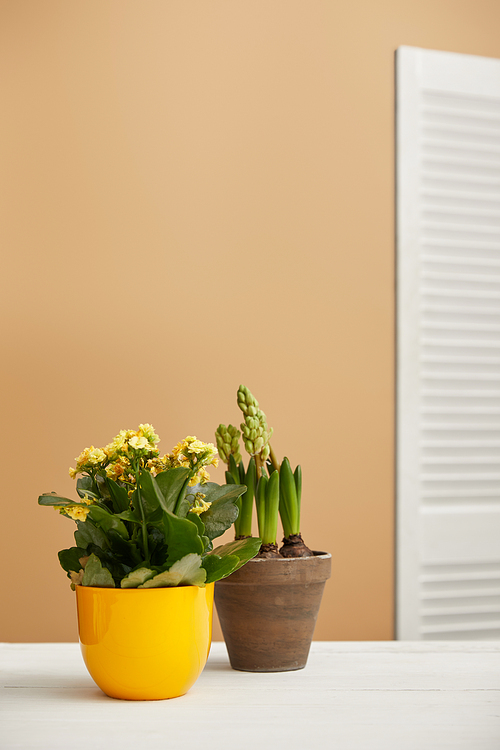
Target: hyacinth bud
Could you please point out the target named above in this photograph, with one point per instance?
(258, 444)
(228, 442)
(246, 400)
(255, 430)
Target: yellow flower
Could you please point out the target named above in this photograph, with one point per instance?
(117, 445)
(193, 452)
(199, 505)
(139, 443)
(197, 447)
(118, 469)
(77, 513)
(97, 456)
(147, 431)
(158, 464)
(201, 477)
(90, 458)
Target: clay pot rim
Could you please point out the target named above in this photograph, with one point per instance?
(270, 571)
(316, 554)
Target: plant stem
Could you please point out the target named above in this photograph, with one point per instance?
(182, 494)
(143, 517)
(274, 460)
(258, 465)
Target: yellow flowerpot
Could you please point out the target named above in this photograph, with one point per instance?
(145, 644)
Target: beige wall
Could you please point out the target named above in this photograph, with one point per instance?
(198, 194)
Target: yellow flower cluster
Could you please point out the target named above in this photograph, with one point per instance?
(130, 446)
(142, 440)
(115, 458)
(195, 454)
(88, 460)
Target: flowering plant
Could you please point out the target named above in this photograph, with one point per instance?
(276, 488)
(145, 520)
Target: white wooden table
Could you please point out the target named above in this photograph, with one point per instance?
(395, 696)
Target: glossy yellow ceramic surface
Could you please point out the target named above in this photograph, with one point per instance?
(145, 644)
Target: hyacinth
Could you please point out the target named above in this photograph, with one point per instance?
(228, 442)
(256, 433)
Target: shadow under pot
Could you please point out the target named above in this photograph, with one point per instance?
(268, 611)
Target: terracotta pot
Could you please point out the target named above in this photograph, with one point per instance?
(268, 610)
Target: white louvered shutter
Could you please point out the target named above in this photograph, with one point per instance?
(448, 344)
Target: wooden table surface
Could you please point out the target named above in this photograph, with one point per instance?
(352, 696)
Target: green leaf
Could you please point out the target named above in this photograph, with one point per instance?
(219, 567)
(185, 572)
(87, 533)
(136, 578)
(158, 550)
(219, 493)
(171, 483)
(181, 537)
(119, 496)
(106, 521)
(85, 486)
(233, 469)
(223, 512)
(70, 558)
(129, 515)
(151, 495)
(96, 575)
(52, 498)
(125, 550)
(109, 560)
(244, 549)
(194, 518)
(102, 487)
(183, 507)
